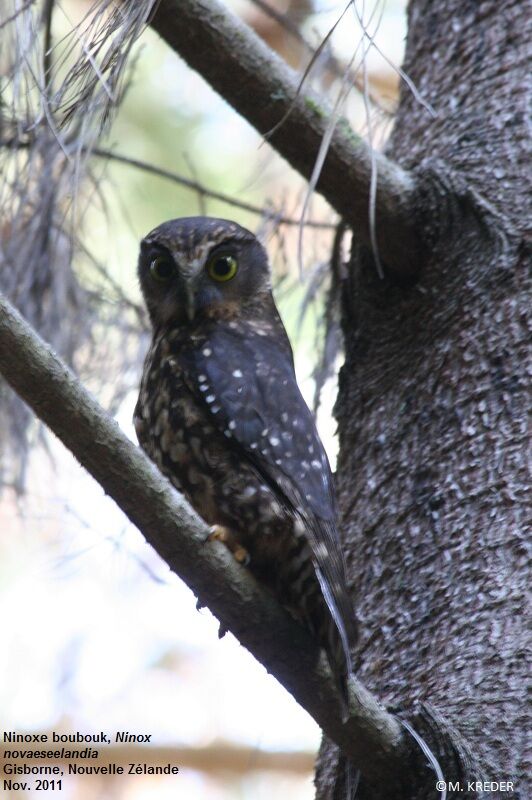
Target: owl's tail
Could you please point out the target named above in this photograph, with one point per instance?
(306, 597)
(317, 594)
(334, 638)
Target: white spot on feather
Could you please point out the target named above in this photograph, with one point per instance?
(237, 373)
(321, 550)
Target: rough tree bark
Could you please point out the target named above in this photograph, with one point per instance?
(432, 408)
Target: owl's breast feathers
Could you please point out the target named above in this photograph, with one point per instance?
(223, 402)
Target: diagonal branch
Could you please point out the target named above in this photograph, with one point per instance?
(264, 90)
(371, 736)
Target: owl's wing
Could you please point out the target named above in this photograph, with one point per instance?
(248, 384)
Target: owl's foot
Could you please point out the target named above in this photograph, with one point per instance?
(219, 533)
(242, 555)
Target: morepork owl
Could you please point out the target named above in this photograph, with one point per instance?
(222, 416)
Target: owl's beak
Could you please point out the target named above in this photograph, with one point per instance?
(191, 302)
(192, 285)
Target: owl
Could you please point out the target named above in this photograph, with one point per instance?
(221, 414)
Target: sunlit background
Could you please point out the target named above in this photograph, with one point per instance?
(96, 632)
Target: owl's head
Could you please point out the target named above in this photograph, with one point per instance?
(198, 267)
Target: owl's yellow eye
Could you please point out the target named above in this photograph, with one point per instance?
(162, 269)
(222, 268)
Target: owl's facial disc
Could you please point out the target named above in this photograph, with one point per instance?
(200, 267)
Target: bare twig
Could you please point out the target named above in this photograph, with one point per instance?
(332, 333)
(47, 49)
(195, 186)
(371, 736)
(325, 144)
(16, 13)
(194, 172)
(308, 69)
(202, 190)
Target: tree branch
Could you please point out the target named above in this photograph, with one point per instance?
(371, 737)
(263, 89)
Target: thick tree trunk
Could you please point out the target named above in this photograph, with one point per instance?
(431, 412)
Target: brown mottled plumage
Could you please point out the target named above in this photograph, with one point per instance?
(221, 414)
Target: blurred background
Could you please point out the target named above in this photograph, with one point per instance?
(97, 633)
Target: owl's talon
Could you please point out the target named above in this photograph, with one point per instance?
(242, 555)
(222, 630)
(219, 533)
